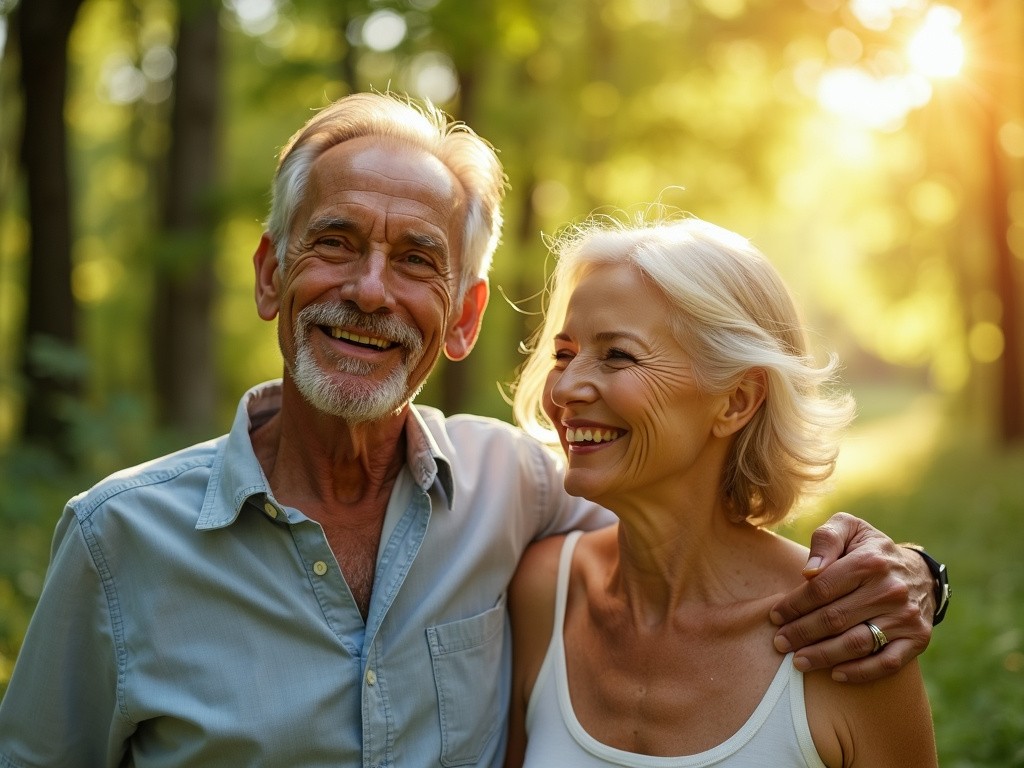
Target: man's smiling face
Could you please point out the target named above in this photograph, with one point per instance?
(367, 290)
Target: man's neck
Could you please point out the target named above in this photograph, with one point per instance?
(306, 453)
(340, 475)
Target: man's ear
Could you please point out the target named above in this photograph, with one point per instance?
(463, 332)
(742, 403)
(268, 278)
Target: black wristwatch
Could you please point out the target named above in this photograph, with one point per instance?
(942, 589)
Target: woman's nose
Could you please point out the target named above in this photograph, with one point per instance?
(572, 384)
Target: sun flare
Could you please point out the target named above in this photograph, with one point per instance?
(936, 50)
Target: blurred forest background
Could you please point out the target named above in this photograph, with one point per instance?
(872, 148)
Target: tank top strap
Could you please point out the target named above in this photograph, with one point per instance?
(562, 585)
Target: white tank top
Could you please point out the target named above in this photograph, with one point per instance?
(776, 734)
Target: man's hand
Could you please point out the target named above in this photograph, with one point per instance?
(856, 574)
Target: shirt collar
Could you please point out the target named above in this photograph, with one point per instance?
(236, 476)
(427, 461)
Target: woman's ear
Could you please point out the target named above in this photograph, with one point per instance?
(462, 334)
(268, 278)
(742, 403)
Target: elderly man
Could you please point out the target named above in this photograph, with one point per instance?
(325, 585)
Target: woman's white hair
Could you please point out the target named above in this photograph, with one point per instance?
(470, 158)
(733, 314)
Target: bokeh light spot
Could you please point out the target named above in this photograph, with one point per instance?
(383, 30)
(550, 198)
(1011, 139)
(433, 77)
(985, 342)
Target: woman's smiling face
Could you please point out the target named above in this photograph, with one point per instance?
(622, 395)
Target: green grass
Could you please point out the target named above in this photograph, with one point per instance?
(967, 508)
(911, 474)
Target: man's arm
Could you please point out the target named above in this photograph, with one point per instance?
(856, 574)
(61, 706)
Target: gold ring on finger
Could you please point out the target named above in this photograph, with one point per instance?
(879, 637)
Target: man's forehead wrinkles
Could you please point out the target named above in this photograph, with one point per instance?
(371, 170)
(391, 201)
(407, 180)
(336, 212)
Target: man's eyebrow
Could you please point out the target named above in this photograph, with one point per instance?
(428, 242)
(324, 223)
(420, 239)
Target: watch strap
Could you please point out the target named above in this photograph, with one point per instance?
(942, 589)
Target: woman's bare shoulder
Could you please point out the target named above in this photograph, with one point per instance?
(884, 723)
(781, 559)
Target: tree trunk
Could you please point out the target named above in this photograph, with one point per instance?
(42, 31)
(182, 346)
(1011, 382)
(1011, 421)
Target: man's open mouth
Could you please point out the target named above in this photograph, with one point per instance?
(369, 342)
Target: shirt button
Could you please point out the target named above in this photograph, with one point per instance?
(271, 510)
(371, 677)
(319, 567)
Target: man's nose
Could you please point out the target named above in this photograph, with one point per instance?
(369, 288)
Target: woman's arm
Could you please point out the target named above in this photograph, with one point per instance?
(884, 724)
(531, 605)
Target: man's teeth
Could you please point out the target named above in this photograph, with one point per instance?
(338, 333)
(589, 435)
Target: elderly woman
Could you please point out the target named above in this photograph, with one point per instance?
(673, 369)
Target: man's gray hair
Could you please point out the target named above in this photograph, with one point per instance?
(471, 159)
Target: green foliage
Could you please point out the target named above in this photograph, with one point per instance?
(55, 359)
(705, 105)
(966, 509)
(30, 500)
(35, 484)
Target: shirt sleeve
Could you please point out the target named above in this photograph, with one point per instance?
(61, 707)
(563, 512)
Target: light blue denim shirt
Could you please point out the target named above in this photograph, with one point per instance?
(189, 619)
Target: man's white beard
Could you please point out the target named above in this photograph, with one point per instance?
(357, 399)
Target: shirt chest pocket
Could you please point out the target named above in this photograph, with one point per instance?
(467, 659)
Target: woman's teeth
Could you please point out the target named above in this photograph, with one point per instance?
(591, 435)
